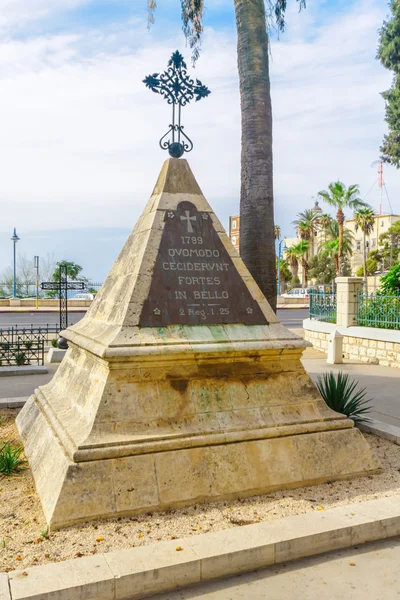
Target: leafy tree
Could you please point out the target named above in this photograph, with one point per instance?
(301, 251)
(340, 197)
(306, 227)
(7, 283)
(286, 275)
(47, 267)
(292, 260)
(389, 55)
(322, 268)
(73, 271)
(257, 243)
(391, 243)
(331, 246)
(364, 220)
(26, 273)
(390, 283)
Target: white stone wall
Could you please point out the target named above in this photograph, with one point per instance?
(364, 343)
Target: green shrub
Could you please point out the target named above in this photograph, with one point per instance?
(390, 283)
(54, 343)
(341, 395)
(10, 459)
(20, 358)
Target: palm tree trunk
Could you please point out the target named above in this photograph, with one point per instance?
(336, 259)
(365, 264)
(305, 272)
(257, 244)
(340, 220)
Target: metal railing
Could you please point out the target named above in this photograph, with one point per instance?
(323, 307)
(22, 353)
(28, 290)
(17, 334)
(378, 310)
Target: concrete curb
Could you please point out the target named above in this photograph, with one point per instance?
(17, 371)
(384, 430)
(4, 587)
(13, 403)
(141, 572)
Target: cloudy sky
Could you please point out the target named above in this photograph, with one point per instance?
(79, 138)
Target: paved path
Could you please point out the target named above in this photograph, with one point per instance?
(37, 318)
(17, 386)
(292, 318)
(371, 571)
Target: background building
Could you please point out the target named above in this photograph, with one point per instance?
(381, 225)
(234, 231)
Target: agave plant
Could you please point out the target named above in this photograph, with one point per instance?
(341, 395)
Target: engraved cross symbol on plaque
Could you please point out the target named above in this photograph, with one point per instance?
(188, 218)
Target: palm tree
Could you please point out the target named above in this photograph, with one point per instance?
(324, 222)
(341, 197)
(306, 226)
(331, 244)
(257, 243)
(277, 232)
(365, 220)
(291, 259)
(301, 252)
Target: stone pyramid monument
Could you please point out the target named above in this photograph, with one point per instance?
(180, 385)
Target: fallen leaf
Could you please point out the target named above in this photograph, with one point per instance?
(173, 537)
(179, 548)
(352, 564)
(141, 535)
(18, 558)
(320, 508)
(24, 574)
(198, 527)
(78, 554)
(100, 539)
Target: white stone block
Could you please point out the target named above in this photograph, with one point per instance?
(55, 355)
(80, 579)
(141, 572)
(4, 588)
(232, 552)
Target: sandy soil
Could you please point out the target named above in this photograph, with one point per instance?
(24, 539)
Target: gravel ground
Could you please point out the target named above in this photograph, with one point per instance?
(24, 538)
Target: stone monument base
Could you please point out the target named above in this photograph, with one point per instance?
(212, 438)
(180, 385)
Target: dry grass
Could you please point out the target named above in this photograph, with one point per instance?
(23, 530)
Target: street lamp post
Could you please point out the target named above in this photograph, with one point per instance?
(15, 239)
(280, 250)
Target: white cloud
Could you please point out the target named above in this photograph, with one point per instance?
(18, 12)
(79, 144)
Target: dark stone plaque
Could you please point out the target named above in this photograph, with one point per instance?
(195, 281)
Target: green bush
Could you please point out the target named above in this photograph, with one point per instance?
(20, 358)
(390, 283)
(10, 459)
(54, 343)
(341, 395)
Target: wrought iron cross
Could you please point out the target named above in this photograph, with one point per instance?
(62, 286)
(178, 89)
